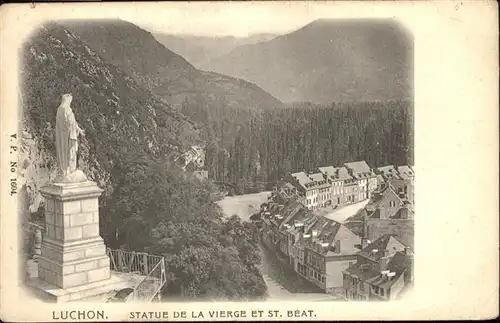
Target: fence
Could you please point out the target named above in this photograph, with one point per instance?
(141, 263)
(151, 285)
(151, 266)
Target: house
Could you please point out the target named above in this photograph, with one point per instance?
(387, 201)
(388, 212)
(290, 211)
(286, 190)
(401, 224)
(329, 172)
(327, 248)
(366, 178)
(297, 227)
(324, 189)
(337, 177)
(275, 220)
(313, 189)
(402, 187)
(351, 190)
(195, 156)
(388, 172)
(201, 175)
(406, 172)
(382, 270)
(408, 176)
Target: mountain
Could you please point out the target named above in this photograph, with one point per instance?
(199, 50)
(328, 60)
(164, 72)
(120, 117)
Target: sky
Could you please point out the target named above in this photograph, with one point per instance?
(223, 19)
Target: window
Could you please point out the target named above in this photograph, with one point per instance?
(381, 292)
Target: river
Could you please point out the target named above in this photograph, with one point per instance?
(282, 282)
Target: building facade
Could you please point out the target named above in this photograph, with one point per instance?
(382, 271)
(338, 186)
(314, 189)
(365, 177)
(330, 254)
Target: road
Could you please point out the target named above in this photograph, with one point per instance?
(343, 213)
(282, 282)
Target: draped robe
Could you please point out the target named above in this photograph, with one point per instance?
(66, 139)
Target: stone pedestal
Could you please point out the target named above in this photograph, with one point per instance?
(73, 255)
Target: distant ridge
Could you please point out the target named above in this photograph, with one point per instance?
(199, 50)
(165, 73)
(328, 60)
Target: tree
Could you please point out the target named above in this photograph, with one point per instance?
(175, 217)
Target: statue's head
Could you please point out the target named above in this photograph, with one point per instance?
(66, 99)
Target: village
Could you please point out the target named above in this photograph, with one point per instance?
(367, 256)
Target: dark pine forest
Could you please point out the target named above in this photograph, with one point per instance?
(252, 151)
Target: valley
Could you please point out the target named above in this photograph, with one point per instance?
(274, 110)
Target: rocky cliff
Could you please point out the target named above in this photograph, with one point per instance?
(121, 117)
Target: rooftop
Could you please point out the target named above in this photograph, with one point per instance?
(328, 170)
(376, 250)
(326, 233)
(360, 168)
(302, 178)
(388, 172)
(343, 173)
(398, 264)
(310, 181)
(319, 178)
(402, 213)
(378, 197)
(406, 172)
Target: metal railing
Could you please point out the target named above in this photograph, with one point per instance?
(151, 285)
(151, 266)
(141, 263)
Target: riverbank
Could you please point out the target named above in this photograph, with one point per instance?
(243, 205)
(282, 282)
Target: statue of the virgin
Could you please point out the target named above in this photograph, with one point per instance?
(67, 132)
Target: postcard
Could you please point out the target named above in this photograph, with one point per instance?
(237, 161)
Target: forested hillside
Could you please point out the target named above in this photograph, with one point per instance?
(131, 137)
(164, 72)
(308, 136)
(119, 116)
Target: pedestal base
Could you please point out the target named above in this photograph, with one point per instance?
(52, 293)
